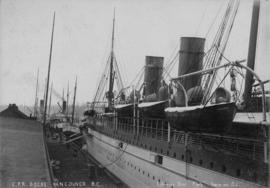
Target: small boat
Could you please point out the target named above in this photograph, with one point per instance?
(215, 118)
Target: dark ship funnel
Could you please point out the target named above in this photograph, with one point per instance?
(190, 60)
(41, 107)
(64, 107)
(152, 76)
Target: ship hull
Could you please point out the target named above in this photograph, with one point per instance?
(137, 167)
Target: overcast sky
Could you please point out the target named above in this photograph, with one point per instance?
(82, 39)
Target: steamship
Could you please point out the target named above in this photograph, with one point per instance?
(181, 131)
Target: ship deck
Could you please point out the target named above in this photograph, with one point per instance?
(23, 156)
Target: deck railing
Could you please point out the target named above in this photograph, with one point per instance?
(158, 129)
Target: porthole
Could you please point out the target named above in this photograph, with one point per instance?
(255, 176)
(182, 157)
(224, 168)
(211, 165)
(238, 172)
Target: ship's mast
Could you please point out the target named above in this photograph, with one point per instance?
(49, 71)
(74, 99)
(252, 50)
(111, 81)
(67, 98)
(50, 103)
(36, 96)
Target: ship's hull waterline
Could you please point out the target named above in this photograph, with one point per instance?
(137, 167)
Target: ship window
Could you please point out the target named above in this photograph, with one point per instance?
(161, 151)
(139, 170)
(135, 167)
(174, 155)
(182, 157)
(143, 171)
(201, 162)
(255, 176)
(223, 168)
(155, 148)
(145, 146)
(211, 165)
(148, 175)
(141, 145)
(190, 159)
(153, 177)
(158, 180)
(150, 148)
(238, 172)
(168, 153)
(159, 159)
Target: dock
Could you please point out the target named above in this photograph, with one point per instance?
(23, 155)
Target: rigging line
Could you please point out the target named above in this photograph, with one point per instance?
(122, 66)
(223, 29)
(171, 56)
(105, 72)
(218, 12)
(139, 81)
(104, 62)
(201, 20)
(113, 162)
(218, 86)
(168, 72)
(101, 78)
(216, 40)
(137, 75)
(171, 64)
(118, 73)
(229, 61)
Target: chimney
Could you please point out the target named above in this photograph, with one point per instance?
(64, 107)
(190, 60)
(152, 74)
(41, 106)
